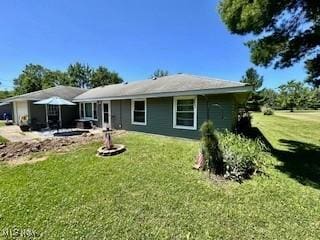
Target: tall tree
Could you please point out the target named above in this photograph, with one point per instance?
(31, 79)
(102, 76)
(79, 74)
(160, 73)
(255, 80)
(286, 31)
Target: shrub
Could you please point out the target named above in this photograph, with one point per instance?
(266, 110)
(244, 121)
(210, 148)
(242, 157)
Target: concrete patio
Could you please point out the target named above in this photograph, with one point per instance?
(14, 134)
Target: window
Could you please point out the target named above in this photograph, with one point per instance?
(88, 110)
(139, 111)
(53, 110)
(185, 113)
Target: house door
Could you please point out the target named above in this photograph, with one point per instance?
(106, 114)
(20, 110)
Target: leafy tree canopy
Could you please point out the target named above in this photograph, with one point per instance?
(287, 31)
(160, 73)
(79, 75)
(269, 97)
(5, 94)
(295, 94)
(36, 77)
(102, 76)
(31, 79)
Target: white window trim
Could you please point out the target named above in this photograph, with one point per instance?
(109, 114)
(145, 111)
(82, 107)
(195, 112)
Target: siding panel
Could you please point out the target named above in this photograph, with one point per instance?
(160, 115)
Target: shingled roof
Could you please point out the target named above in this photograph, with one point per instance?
(65, 92)
(173, 85)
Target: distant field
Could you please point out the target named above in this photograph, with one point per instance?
(301, 115)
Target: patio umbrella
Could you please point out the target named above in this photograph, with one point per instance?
(54, 101)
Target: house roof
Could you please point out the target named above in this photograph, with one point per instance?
(173, 85)
(65, 92)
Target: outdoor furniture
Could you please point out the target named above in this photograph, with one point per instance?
(83, 124)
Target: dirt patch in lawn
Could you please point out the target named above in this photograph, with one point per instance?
(21, 152)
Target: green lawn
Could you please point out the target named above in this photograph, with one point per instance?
(151, 192)
(301, 115)
(1, 123)
(296, 144)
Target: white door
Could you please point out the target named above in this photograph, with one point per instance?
(106, 114)
(20, 109)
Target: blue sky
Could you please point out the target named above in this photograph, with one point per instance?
(131, 37)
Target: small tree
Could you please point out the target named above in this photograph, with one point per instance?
(212, 152)
(255, 80)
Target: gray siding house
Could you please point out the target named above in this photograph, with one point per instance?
(22, 105)
(173, 105)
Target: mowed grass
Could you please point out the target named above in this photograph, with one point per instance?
(298, 127)
(151, 192)
(301, 115)
(296, 144)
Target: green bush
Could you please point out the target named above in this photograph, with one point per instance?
(242, 157)
(210, 148)
(267, 110)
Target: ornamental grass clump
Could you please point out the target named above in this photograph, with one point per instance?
(210, 148)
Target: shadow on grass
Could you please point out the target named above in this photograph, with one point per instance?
(301, 161)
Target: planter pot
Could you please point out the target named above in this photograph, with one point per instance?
(24, 128)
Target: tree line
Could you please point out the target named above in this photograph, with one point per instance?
(291, 95)
(36, 77)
